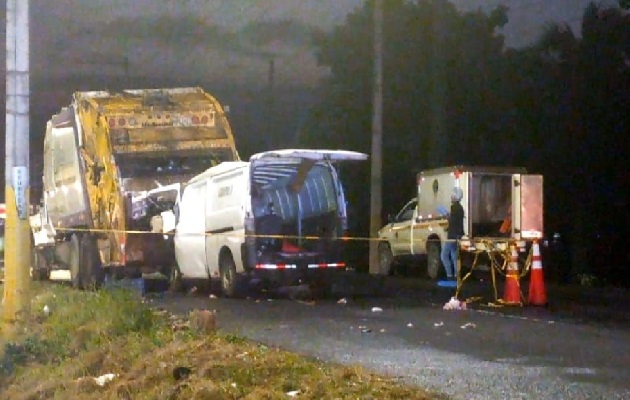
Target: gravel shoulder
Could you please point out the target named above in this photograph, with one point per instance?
(475, 354)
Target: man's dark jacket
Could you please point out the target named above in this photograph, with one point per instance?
(456, 221)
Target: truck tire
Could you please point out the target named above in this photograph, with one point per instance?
(74, 262)
(434, 264)
(385, 259)
(39, 266)
(91, 268)
(227, 268)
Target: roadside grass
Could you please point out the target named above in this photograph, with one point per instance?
(90, 334)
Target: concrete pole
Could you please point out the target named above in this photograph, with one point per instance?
(377, 140)
(437, 111)
(16, 299)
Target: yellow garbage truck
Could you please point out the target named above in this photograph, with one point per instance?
(112, 168)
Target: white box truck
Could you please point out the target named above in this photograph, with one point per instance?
(500, 205)
(278, 218)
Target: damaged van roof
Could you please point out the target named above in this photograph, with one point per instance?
(312, 154)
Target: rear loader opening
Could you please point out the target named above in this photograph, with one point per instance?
(490, 204)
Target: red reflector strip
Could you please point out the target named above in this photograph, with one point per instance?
(324, 265)
(276, 266)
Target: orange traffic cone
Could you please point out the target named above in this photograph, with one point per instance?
(512, 292)
(537, 292)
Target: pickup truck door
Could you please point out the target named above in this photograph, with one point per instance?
(401, 228)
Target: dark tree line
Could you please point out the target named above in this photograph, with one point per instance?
(453, 94)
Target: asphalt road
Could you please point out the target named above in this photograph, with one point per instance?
(473, 354)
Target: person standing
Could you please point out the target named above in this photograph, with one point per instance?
(455, 232)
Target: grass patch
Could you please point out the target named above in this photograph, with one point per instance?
(89, 334)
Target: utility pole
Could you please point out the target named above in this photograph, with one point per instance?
(377, 140)
(271, 133)
(16, 299)
(437, 112)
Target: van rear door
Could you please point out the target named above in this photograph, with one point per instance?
(527, 206)
(308, 203)
(314, 155)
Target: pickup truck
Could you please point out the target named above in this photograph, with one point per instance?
(500, 205)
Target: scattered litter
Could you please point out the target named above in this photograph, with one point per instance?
(366, 330)
(551, 322)
(468, 325)
(193, 290)
(257, 300)
(382, 330)
(46, 310)
(293, 393)
(233, 385)
(454, 304)
(438, 324)
(242, 355)
(342, 301)
(377, 309)
(104, 379)
(410, 325)
(212, 296)
(269, 299)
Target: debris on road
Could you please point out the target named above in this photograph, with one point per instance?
(468, 325)
(365, 329)
(293, 393)
(203, 321)
(382, 330)
(410, 325)
(377, 309)
(104, 379)
(342, 301)
(454, 304)
(438, 324)
(212, 296)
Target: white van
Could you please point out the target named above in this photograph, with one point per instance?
(278, 218)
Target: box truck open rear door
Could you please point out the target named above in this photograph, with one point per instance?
(527, 206)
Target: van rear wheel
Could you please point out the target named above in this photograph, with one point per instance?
(385, 259)
(228, 276)
(433, 259)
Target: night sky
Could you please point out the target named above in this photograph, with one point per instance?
(224, 46)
